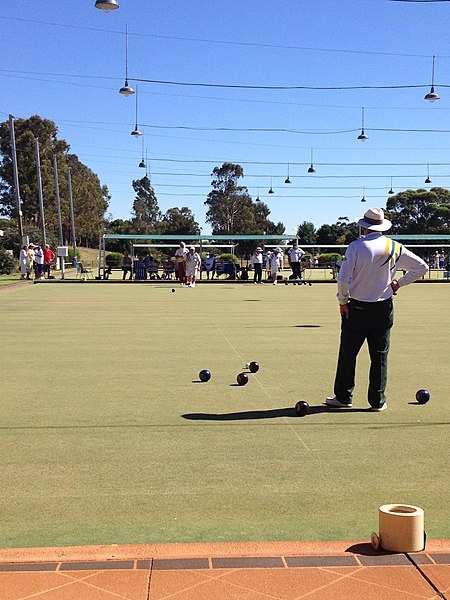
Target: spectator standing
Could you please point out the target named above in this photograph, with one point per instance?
(31, 258)
(193, 263)
(210, 265)
(436, 259)
(441, 260)
(127, 266)
(366, 285)
(49, 257)
(256, 260)
(24, 262)
(180, 257)
(275, 262)
(295, 261)
(39, 262)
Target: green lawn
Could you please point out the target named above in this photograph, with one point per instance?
(107, 437)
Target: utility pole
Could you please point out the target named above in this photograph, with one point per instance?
(16, 178)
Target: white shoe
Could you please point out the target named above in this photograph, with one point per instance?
(336, 404)
(274, 283)
(379, 408)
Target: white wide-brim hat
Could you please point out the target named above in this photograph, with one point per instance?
(374, 220)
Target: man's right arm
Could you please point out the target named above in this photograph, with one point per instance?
(413, 265)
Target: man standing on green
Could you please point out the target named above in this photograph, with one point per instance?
(366, 285)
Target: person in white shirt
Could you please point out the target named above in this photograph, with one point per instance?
(366, 285)
(39, 261)
(295, 257)
(193, 263)
(275, 264)
(256, 260)
(24, 262)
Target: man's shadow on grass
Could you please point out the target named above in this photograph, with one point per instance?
(274, 413)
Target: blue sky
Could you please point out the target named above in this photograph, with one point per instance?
(65, 60)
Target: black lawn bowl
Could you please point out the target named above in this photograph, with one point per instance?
(242, 379)
(302, 408)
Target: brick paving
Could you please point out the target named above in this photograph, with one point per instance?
(277, 571)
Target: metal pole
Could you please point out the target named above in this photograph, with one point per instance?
(58, 206)
(72, 220)
(16, 178)
(41, 197)
(99, 256)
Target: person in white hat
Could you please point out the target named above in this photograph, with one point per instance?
(366, 285)
(275, 264)
(295, 261)
(193, 263)
(256, 260)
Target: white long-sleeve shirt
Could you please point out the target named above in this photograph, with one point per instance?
(369, 266)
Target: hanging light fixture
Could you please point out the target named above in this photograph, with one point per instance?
(428, 180)
(391, 191)
(362, 137)
(271, 189)
(106, 5)
(136, 132)
(257, 199)
(142, 163)
(287, 180)
(311, 168)
(363, 199)
(126, 90)
(432, 96)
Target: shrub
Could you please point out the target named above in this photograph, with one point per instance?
(329, 258)
(7, 263)
(226, 257)
(114, 259)
(70, 255)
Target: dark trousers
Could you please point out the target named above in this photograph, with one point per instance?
(296, 270)
(371, 321)
(258, 272)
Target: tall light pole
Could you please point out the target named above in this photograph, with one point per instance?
(58, 206)
(16, 178)
(72, 220)
(41, 197)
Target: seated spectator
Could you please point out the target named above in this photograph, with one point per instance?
(140, 271)
(169, 269)
(210, 265)
(127, 266)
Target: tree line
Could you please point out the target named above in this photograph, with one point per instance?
(230, 210)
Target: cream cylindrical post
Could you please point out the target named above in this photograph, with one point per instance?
(401, 528)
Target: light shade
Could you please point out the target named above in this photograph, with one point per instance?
(271, 191)
(142, 164)
(432, 96)
(287, 180)
(136, 132)
(311, 169)
(362, 137)
(427, 180)
(106, 5)
(126, 90)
